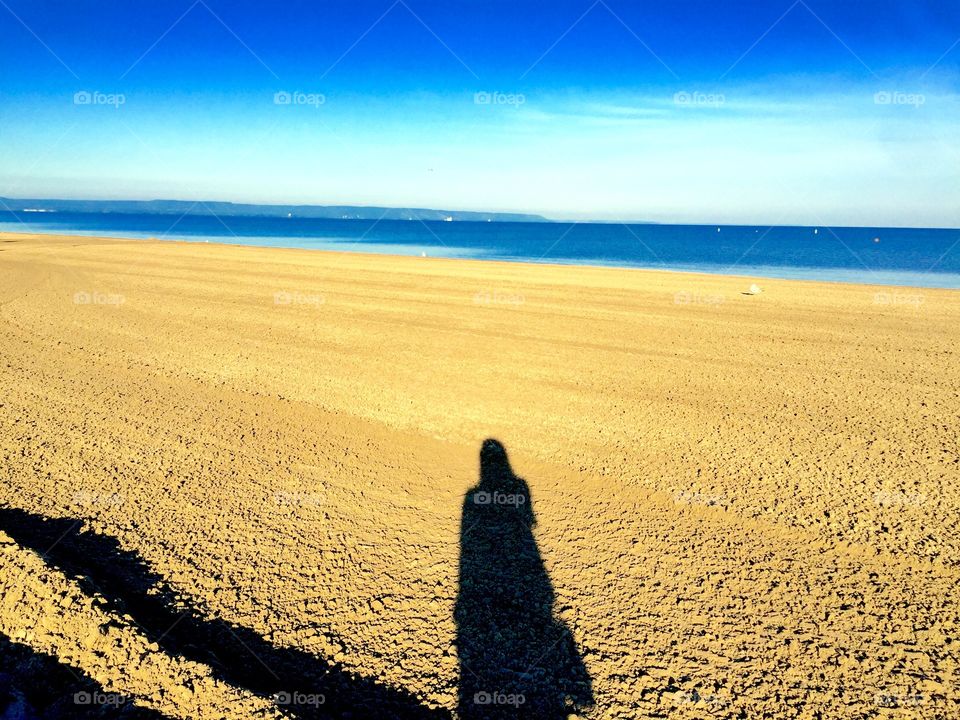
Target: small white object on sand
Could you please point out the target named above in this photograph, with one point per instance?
(754, 290)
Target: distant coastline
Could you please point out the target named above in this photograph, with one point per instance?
(230, 209)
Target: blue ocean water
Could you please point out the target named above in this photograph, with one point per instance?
(884, 256)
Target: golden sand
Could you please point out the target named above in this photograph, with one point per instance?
(745, 505)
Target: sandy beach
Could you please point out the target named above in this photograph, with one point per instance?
(236, 482)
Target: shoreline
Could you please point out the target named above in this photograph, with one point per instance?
(223, 242)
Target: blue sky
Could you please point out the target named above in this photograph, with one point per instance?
(806, 112)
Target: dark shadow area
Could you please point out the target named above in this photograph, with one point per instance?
(124, 584)
(37, 686)
(516, 659)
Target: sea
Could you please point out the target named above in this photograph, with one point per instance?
(908, 257)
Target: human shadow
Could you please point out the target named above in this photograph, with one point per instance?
(37, 686)
(516, 659)
(302, 684)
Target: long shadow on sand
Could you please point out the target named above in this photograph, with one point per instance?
(236, 654)
(516, 659)
(37, 686)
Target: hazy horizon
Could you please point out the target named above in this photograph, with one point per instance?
(543, 217)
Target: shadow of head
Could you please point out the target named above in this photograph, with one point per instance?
(500, 489)
(516, 659)
(493, 454)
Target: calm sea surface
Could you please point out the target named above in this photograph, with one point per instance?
(888, 256)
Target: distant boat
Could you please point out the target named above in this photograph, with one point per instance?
(816, 231)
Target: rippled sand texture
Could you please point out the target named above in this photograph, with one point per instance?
(233, 482)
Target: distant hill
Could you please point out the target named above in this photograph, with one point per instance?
(227, 209)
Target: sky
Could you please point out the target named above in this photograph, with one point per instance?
(812, 112)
